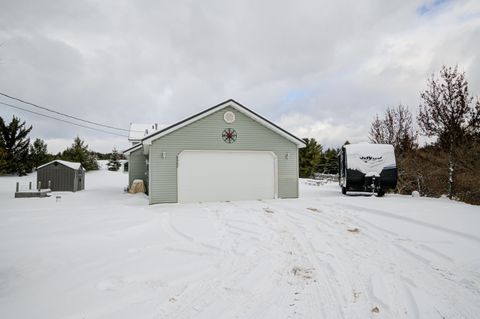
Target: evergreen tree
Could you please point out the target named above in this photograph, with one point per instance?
(14, 147)
(328, 163)
(38, 153)
(79, 152)
(309, 158)
(3, 160)
(447, 113)
(114, 163)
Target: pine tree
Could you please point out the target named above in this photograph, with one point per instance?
(114, 163)
(3, 157)
(447, 113)
(309, 158)
(38, 153)
(79, 152)
(328, 163)
(14, 147)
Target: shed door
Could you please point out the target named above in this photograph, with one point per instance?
(226, 175)
(80, 180)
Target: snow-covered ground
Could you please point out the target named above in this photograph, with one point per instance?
(101, 253)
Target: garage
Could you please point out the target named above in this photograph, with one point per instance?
(224, 153)
(226, 175)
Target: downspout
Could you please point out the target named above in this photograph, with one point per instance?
(149, 178)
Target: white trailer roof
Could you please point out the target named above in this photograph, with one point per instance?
(370, 158)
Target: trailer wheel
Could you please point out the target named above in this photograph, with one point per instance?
(344, 190)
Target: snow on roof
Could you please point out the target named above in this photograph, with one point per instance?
(73, 165)
(368, 149)
(139, 131)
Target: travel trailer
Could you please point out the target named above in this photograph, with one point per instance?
(367, 168)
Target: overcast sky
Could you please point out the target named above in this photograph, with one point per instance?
(319, 69)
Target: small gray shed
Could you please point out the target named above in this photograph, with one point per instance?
(62, 175)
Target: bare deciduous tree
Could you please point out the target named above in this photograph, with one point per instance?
(447, 113)
(378, 134)
(395, 128)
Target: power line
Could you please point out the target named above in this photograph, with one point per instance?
(62, 120)
(63, 114)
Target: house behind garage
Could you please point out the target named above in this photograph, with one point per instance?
(138, 131)
(62, 176)
(227, 152)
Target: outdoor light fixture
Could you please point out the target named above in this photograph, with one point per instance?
(287, 156)
(164, 154)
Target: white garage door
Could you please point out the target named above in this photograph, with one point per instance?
(226, 175)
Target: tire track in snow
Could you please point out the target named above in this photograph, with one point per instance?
(276, 303)
(434, 281)
(343, 263)
(322, 295)
(411, 220)
(210, 296)
(357, 255)
(293, 256)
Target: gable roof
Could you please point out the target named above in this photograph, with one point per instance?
(72, 165)
(229, 103)
(133, 148)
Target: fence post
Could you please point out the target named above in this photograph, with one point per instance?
(30, 185)
(18, 187)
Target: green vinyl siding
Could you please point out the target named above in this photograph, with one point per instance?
(206, 134)
(137, 167)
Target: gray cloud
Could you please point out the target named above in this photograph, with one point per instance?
(321, 69)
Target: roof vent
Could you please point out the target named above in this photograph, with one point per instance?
(229, 117)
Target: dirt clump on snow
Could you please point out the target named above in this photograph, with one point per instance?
(356, 295)
(302, 272)
(375, 310)
(354, 230)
